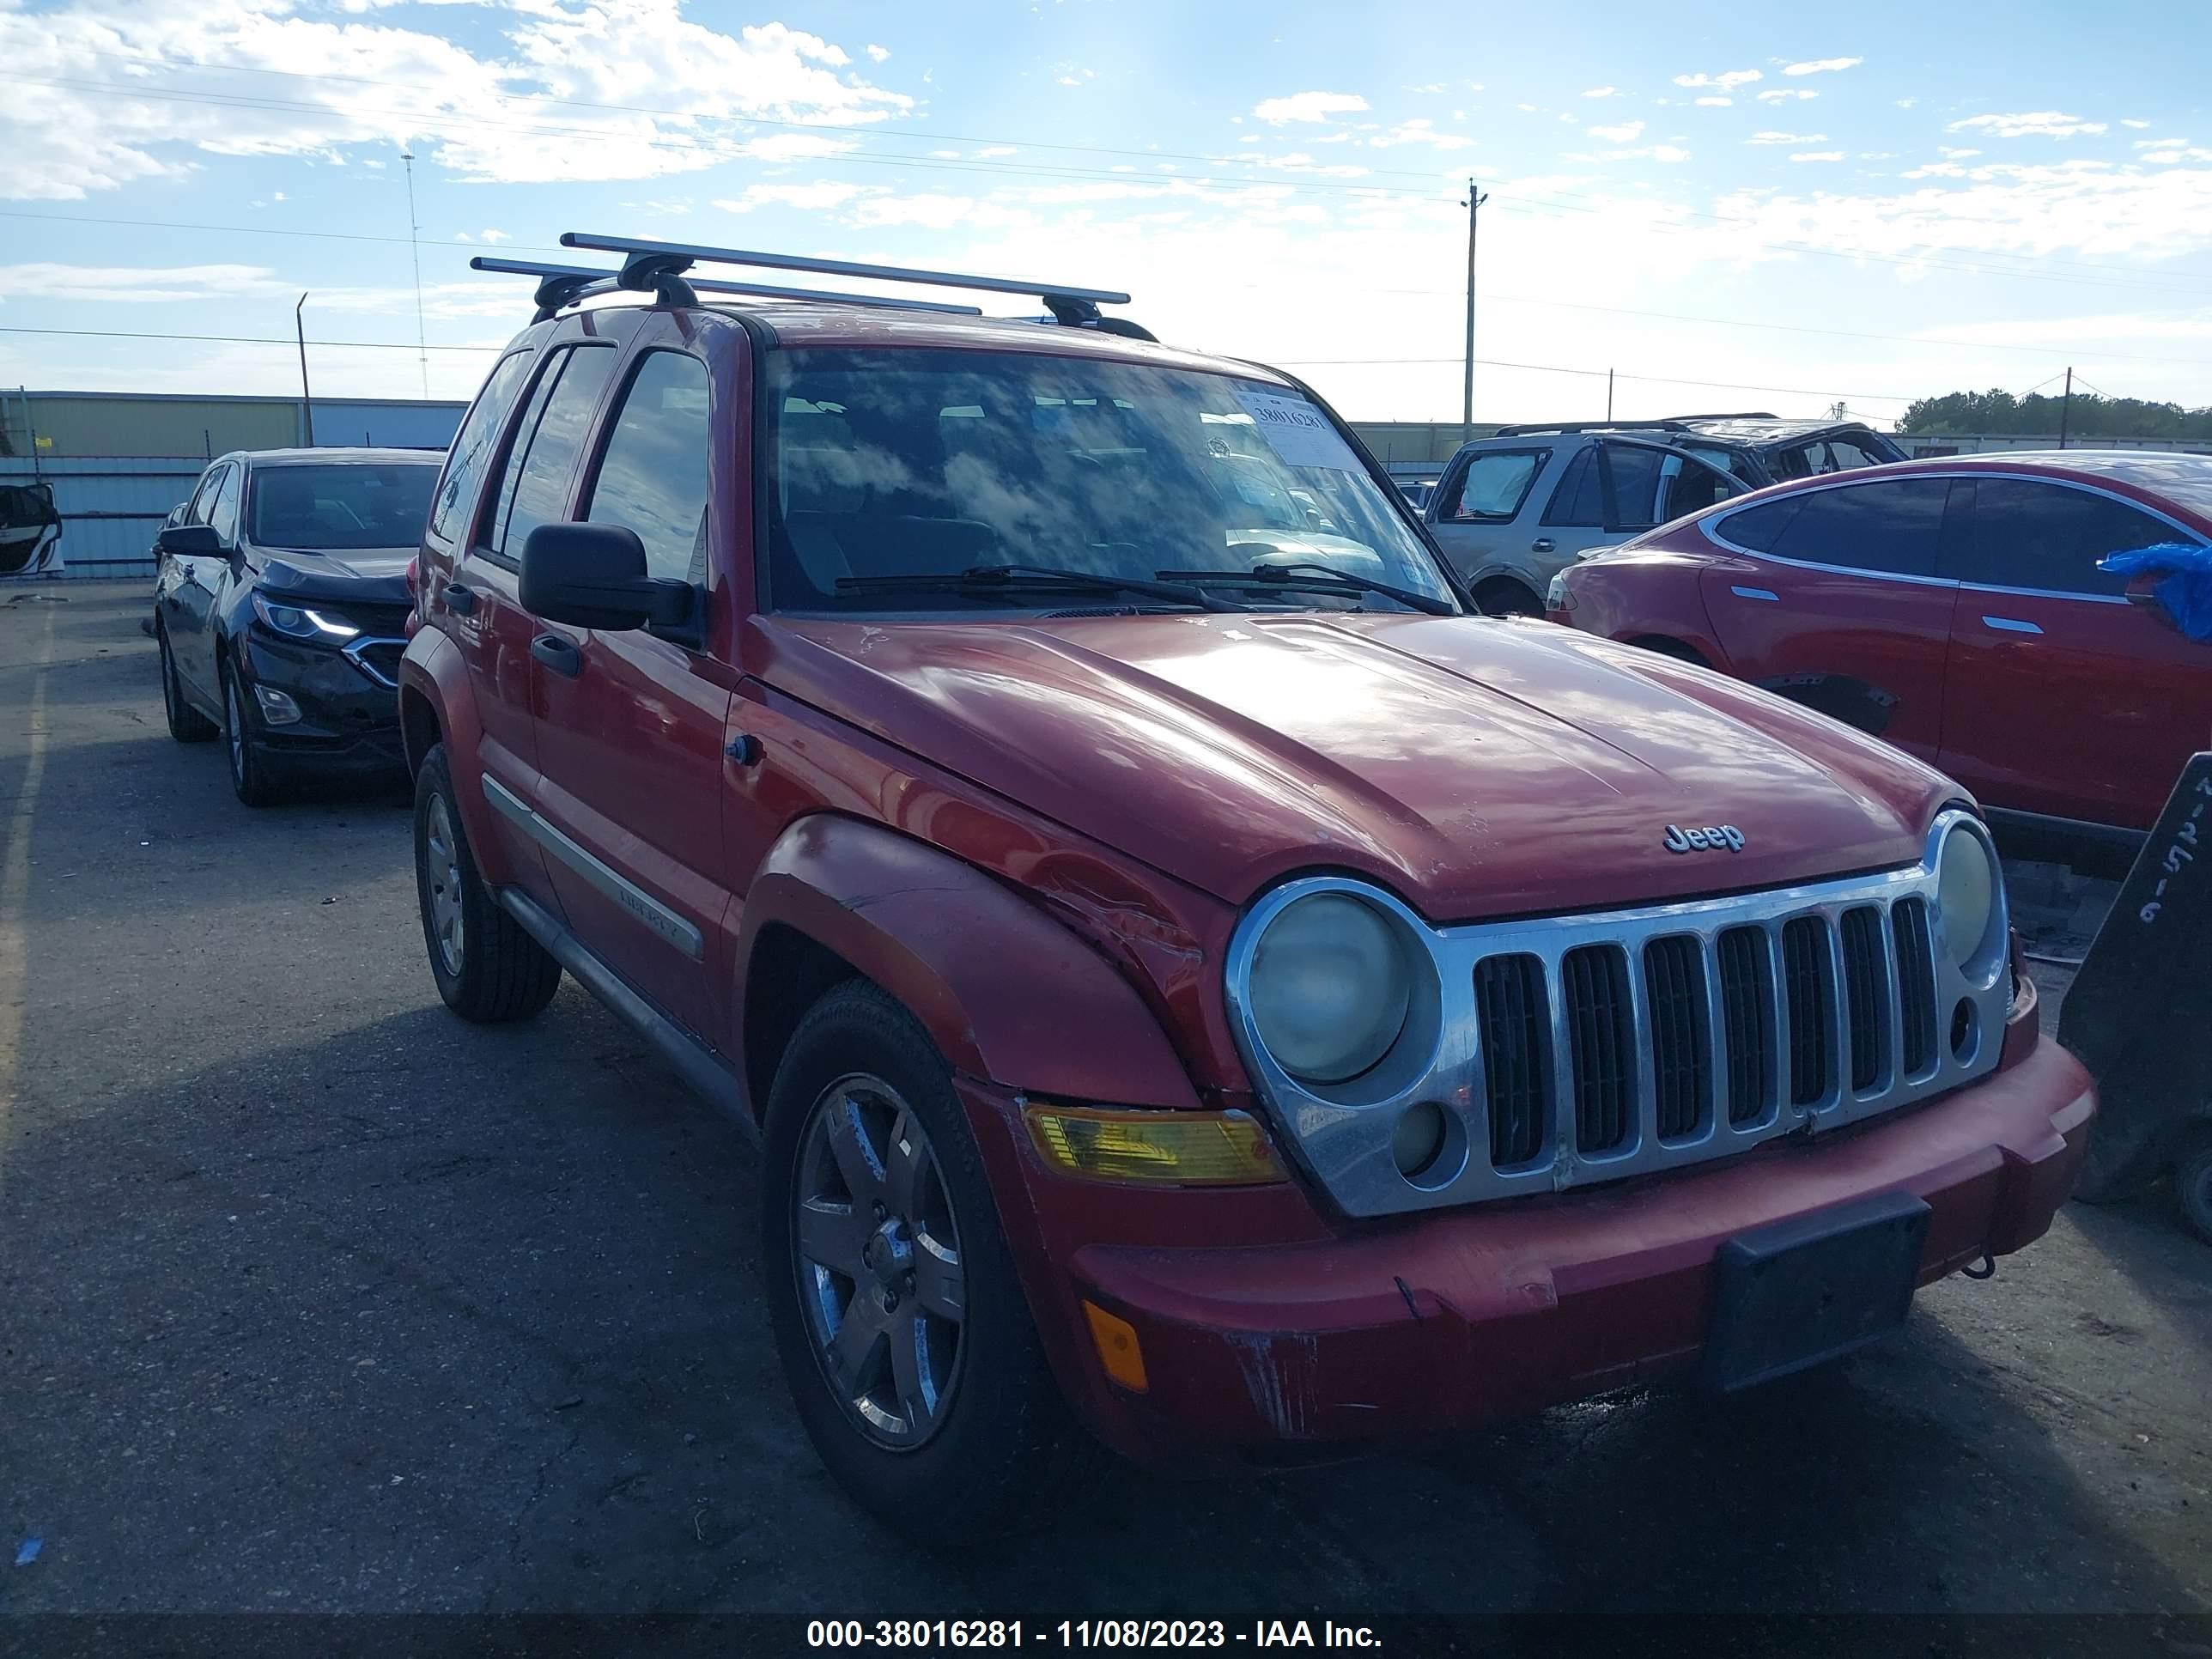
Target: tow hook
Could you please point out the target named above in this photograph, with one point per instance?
(1985, 1268)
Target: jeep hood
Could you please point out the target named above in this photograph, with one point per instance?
(1478, 768)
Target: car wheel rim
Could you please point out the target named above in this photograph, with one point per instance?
(876, 1253)
(237, 724)
(443, 866)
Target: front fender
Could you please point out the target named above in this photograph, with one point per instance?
(1006, 993)
(437, 703)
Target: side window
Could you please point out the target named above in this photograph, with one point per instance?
(1637, 474)
(652, 478)
(471, 450)
(222, 514)
(549, 376)
(204, 497)
(1849, 455)
(1893, 528)
(545, 453)
(1759, 528)
(1579, 501)
(1690, 487)
(2030, 534)
(1493, 487)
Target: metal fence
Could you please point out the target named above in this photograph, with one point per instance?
(110, 507)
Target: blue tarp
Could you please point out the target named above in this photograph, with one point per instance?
(2186, 593)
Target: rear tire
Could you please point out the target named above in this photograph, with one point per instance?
(251, 779)
(488, 970)
(187, 723)
(1679, 650)
(2192, 1186)
(962, 1444)
(1501, 596)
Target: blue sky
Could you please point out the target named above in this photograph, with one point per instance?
(1784, 208)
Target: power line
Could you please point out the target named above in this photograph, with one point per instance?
(246, 339)
(1591, 373)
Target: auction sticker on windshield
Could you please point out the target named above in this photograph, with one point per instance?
(1298, 432)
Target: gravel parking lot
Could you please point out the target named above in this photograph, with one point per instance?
(313, 1298)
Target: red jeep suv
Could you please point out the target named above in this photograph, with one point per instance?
(1182, 963)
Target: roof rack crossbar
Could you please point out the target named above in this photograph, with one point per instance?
(635, 248)
(565, 284)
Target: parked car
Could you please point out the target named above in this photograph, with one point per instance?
(1953, 607)
(1211, 980)
(1416, 491)
(280, 600)
(1513, 510)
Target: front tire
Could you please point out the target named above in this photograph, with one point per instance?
(488, 970)
(1501, 596)
(2192, 1186)
(249, 776)
(187, 723)
(904, 1333)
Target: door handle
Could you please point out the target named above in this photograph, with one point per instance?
(558, 655)
(461, 601)
(1542, 544)
(2010, 625)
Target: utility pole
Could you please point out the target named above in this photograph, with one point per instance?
(415, 253)
(306, 399)
(1609, 394)
(1474, 205)
(2066, 407)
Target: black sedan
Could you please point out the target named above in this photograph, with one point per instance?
(280, 605)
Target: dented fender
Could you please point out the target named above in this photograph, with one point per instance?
(1006, 993)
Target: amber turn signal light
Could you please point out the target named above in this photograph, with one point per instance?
(1117, 1348)
(1186, 1149)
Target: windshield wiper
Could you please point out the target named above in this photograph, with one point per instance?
(1310, 577)
(1034, 578)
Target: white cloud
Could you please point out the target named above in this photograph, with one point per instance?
(1786, 94)
(1307, 106)
(372, 84)
(1822, 65)
(876, 54)
(1772, 137)
(795, 147)
(1669, 153)
(1424, 91)
(816, 196)
(1526, 109)
(124, 284)
(1714, 101)
(1817, 155)
(1726, 83)
(1626, 133)
(2138, 125)
(1419, 132)
(991, 152)
(1602, 91)
(2033, 124)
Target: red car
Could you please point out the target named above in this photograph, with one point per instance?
(1181, 963)
(1954, 607)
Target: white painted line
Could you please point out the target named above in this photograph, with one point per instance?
(15, 886)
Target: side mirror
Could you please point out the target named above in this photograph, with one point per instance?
(593, 575)
(191, 541)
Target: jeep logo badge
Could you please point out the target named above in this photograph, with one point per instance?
(1712, 838)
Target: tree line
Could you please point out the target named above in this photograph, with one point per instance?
(2000, 413)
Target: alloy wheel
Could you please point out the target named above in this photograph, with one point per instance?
(441, 868)
(877, 1256)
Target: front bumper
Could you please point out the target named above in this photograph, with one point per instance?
(1435, 1324)
(349, 719)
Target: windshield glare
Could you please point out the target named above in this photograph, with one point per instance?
(916, 462)
(340, 507)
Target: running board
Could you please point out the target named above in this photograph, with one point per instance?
(705, 1071)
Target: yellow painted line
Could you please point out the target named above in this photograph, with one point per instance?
(15, 886)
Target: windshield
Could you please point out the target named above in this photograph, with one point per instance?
(912, 463)
(340, 507)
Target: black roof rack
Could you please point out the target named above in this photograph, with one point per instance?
(564, 285)
(660, 268)
(1657, 424)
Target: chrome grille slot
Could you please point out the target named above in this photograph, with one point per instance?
(1805, 974)
(1603, 1044)
(1509, 999)
(1915, 982)
(1748, 1002)
(1866, 995)
(1681, 1049)
(1601, 1036)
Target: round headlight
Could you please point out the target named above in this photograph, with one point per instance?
(1967, 898)
(1330, 987)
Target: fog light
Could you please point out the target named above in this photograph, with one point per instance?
(276, 708)
(1116, 1340)
(1419, 1137)
(1190, 1149)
